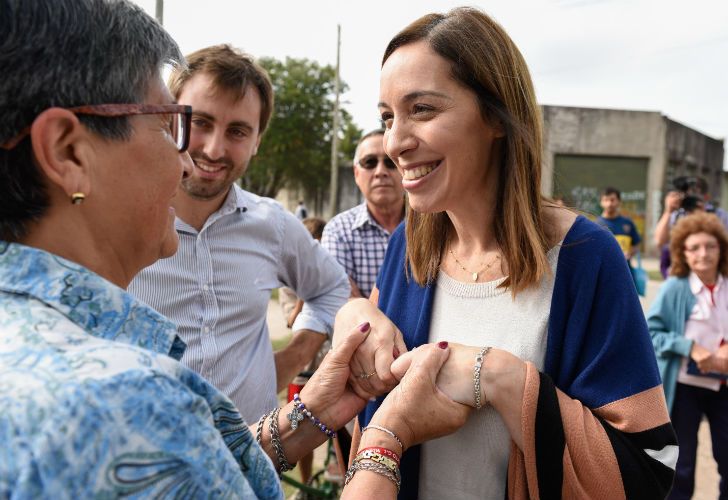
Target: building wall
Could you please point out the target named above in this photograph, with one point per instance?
(671, 149)
(690, 152)
(608, 132)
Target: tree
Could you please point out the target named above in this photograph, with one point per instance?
(295, 150)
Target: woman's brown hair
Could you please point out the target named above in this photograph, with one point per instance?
(700, 222)
(485, 60)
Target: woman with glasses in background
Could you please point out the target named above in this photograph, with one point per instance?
(688, 322)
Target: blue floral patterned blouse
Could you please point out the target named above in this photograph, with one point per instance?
(92, 404)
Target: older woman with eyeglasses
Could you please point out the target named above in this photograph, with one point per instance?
(93, 402)
(688, 322)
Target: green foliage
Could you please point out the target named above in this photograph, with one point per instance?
(295, 151)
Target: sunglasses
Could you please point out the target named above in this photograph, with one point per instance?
(370, 162)
(179, 116)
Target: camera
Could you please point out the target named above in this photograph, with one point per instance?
(693, 190)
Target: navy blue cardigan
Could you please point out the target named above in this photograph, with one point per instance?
(598, 352)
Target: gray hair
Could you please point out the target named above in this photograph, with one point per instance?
(372, 133)
(68, 53)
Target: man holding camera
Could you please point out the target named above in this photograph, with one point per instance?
(690, 194)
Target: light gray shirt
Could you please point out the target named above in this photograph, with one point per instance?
(217, 286)
(472, 463)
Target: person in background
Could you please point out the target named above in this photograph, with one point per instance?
(358, 237)
(235, 246)
(301, 210)
(690, 195)
(688, 322)
(621, 227)
(545, 330)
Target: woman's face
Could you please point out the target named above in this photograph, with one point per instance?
(133, 185)
(435, 132)
(702, 253)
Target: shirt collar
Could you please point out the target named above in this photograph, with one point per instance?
(235, 199)
(696, 286)
(99, 307)
(364, 217)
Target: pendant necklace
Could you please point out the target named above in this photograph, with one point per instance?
(475, 274)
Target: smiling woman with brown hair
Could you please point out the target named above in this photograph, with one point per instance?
(545, 329)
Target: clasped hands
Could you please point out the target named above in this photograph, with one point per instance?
(708, 361)
(431, 389)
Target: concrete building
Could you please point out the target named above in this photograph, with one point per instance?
(638, 152)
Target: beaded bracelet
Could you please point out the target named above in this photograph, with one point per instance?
(299, 411)
(476, 375)
(376, 467)
(382, 451)
(275, 439)
(386, 431)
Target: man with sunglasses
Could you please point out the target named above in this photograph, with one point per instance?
(358, 237)
(236, 247)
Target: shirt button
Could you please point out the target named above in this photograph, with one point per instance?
(207, 329)
(205, 287)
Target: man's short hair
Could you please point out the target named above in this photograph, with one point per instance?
(608, 191)
(372, 133)
(231, 71)
(68, 53)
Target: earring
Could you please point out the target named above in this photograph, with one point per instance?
(77, 198)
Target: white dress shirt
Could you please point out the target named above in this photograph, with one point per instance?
(217, 286)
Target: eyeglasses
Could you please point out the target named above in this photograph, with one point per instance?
(709, 247)
(180, 118)
(370, 162)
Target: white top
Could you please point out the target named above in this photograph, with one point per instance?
(707, 325)
(473, 462)
(217, 286)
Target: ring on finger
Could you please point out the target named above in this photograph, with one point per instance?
(365, 376)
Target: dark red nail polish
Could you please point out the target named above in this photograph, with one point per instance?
(364, 327)
(442, 344)
(395, 352)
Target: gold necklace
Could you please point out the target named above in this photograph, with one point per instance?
(474, 275)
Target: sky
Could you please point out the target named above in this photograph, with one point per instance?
(668, 56)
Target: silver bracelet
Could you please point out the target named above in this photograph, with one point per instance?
(376, 467)
(387, 431)
(259, 428)
(275, 439)
(476, 375)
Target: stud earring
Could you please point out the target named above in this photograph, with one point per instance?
(77, 198)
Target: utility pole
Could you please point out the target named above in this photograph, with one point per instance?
(334, 184)
(159, 14)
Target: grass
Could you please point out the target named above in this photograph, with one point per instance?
(281, 343)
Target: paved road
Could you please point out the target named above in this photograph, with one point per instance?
(706, 474)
